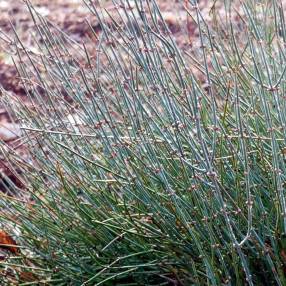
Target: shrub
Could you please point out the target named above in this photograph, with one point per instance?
(148, 164)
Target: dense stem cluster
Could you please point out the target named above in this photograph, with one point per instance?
(147, 163)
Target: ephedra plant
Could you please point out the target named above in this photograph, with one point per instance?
(147, 163)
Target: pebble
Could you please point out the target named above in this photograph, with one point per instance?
(9, 131)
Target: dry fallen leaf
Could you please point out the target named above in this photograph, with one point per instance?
(7, 242)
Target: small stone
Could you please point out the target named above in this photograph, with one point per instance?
(9, 131)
